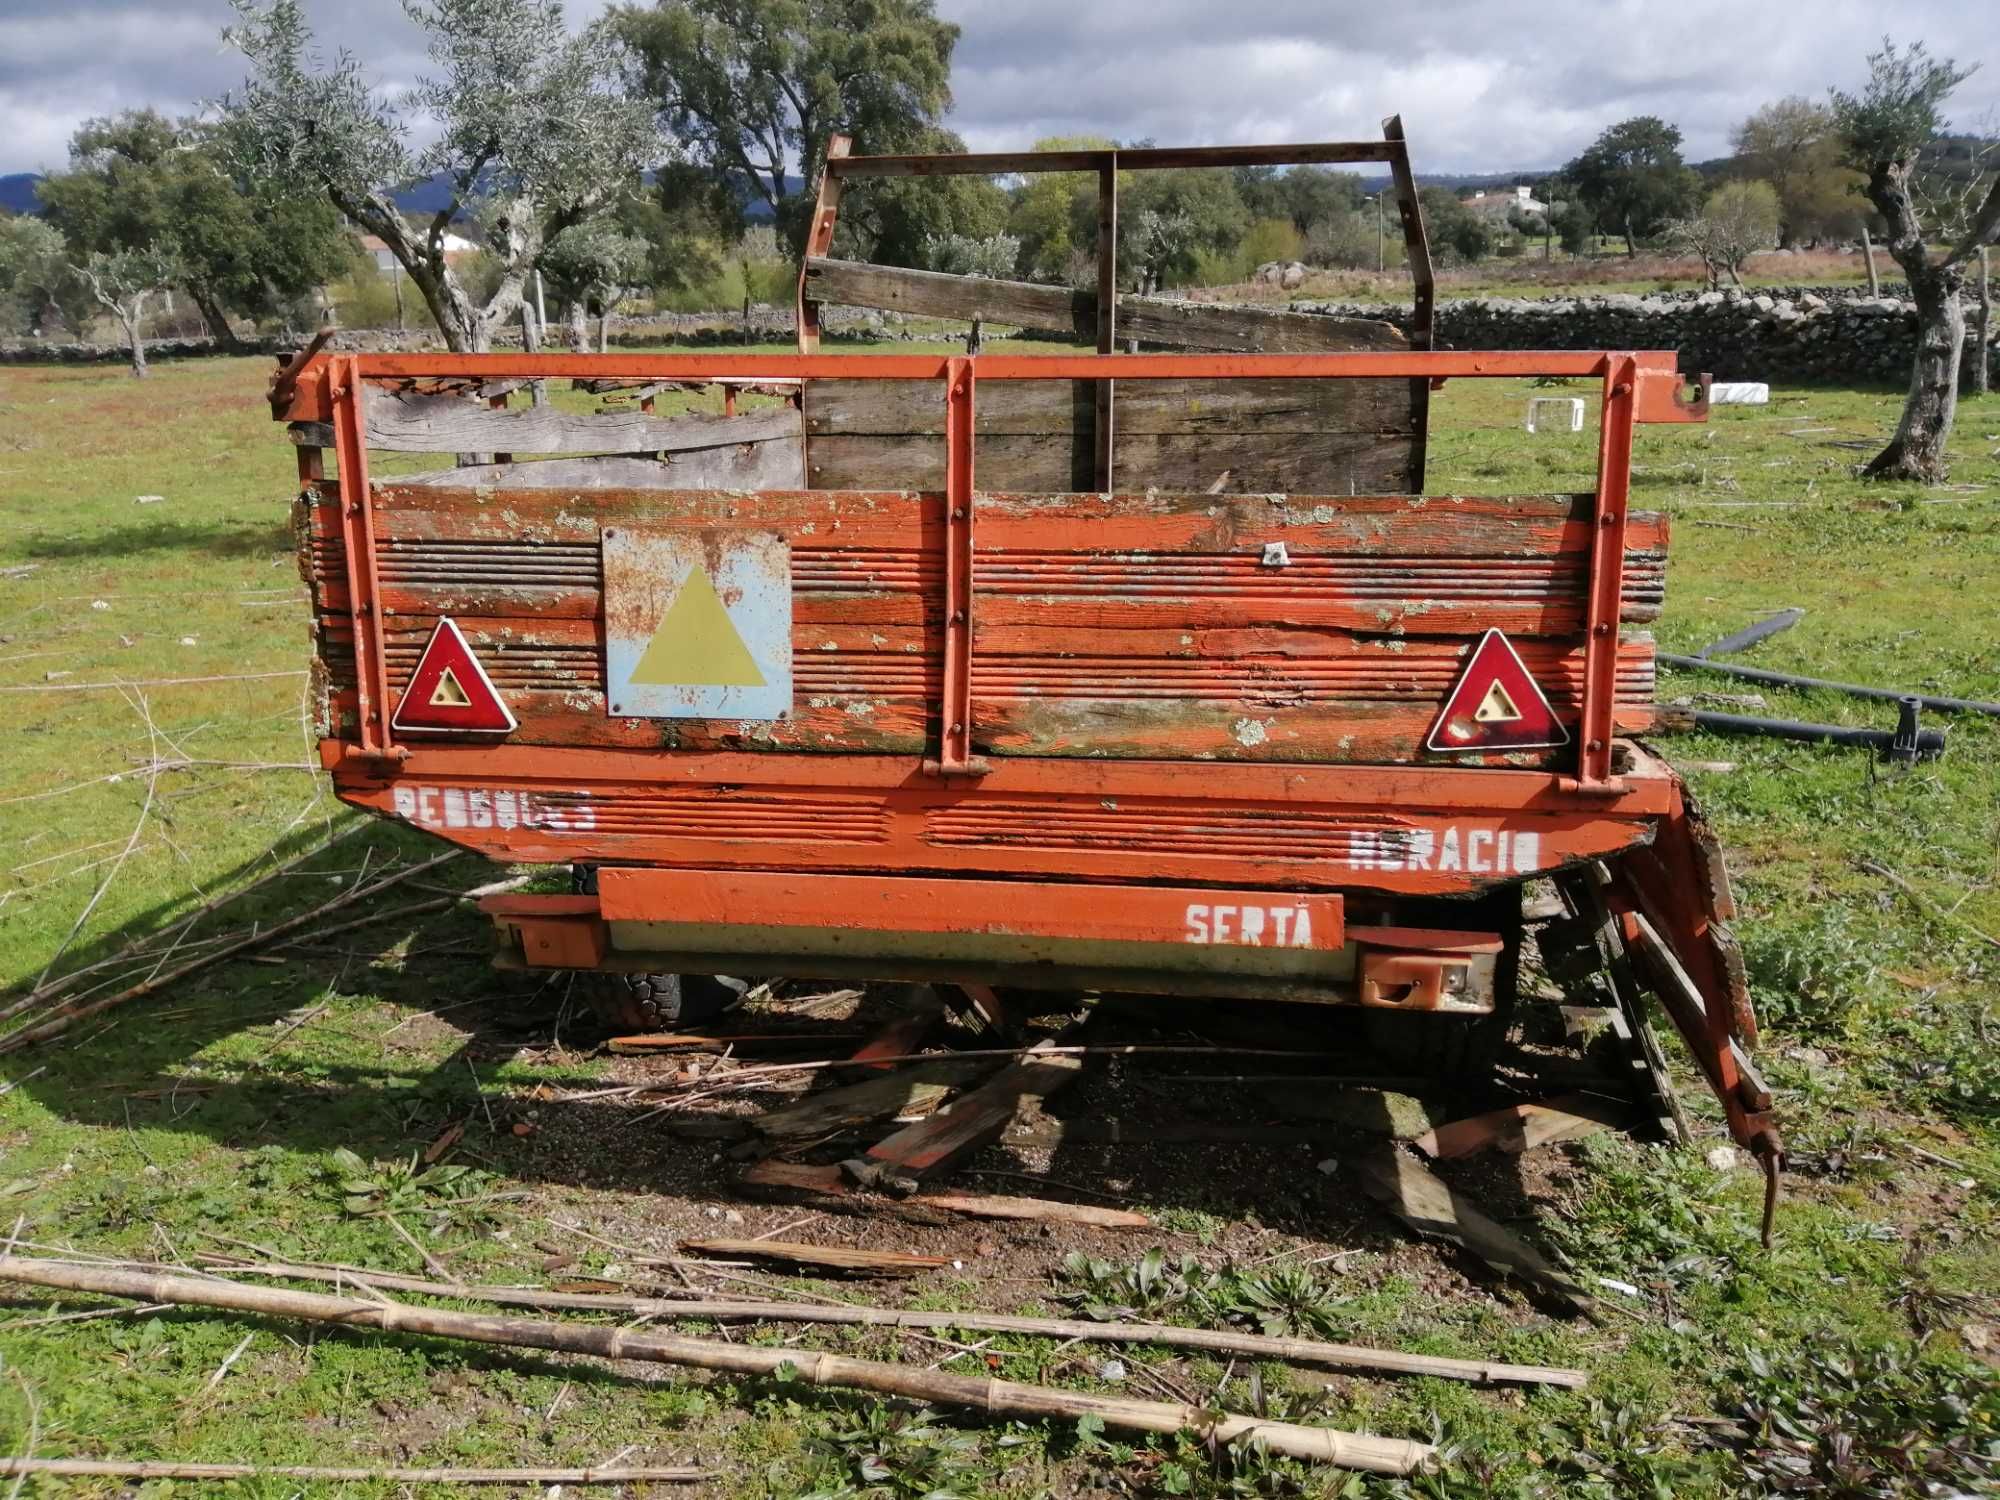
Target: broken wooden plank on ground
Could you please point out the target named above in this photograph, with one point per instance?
(930, 1147)
(906, 1033)
(829, 1187)
(907, 1091)
(1522, 1127)
(688, 1041)
(846, 1260)
(1431, 1207)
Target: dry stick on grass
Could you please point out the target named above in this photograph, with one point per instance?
(1221, 1341)
(1924, 903)
(139, 947)
(998, 1397)
(113, 1468)
(67, 1016)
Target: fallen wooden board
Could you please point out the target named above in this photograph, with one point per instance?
(930, 1147)
(905, 1034)
(1523, 1127)
(845, 1259)
(1404, 1186)
(907, 1091)
(688, 1041)
(830, 1187)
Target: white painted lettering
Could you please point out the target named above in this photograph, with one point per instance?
(1422, 842)
(479, 802)
(454, 807)
(1281, 920)
(1476, 840)
(1197, 924)
(405, 800)
(1302, 929)
(1527, 852)
(427, 812)
(506, 811)
(1225, 917)
(1448, 851)
(1253, 927)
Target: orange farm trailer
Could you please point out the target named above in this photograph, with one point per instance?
(1154, 673)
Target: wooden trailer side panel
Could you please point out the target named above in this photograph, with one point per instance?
(1127, 626)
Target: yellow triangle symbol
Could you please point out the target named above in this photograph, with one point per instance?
(1496, 707)
(696, 645)
(448, 693)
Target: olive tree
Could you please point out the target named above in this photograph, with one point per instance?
(1737, 220)
(532, 134)
(591, 262)
(121, 280)
(1885, 130)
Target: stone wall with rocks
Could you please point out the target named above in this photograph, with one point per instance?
(1735, 336)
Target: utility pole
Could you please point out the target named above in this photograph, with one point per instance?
(1979, 373)
(1381, 254)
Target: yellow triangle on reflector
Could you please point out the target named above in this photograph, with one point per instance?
(1496, 707)
(448, 693)
(696, 644)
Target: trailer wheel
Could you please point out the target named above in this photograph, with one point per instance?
(634, 1004)
(628, 1004)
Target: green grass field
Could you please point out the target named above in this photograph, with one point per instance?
(155, 757)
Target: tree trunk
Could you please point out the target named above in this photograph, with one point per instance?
(1918, 449)
(604, 329)
(217, 318)
(130, 314)
(1868, 254)
(579, 329)
(1631, 244)
(1985, 325)
(1735, 277)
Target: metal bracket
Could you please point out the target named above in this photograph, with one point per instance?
(955, 757)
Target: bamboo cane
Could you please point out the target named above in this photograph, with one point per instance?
(67, 1016)
(1322, 1444)
(1220, 1341)
(119, 1468)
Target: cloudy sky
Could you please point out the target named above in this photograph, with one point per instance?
(1483, 85)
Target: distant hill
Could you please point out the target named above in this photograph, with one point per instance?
(17, 193)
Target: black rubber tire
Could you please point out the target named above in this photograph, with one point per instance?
(633, 1004)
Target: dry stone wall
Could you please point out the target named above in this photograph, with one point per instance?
(1855, 340)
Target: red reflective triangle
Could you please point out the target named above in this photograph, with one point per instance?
(1496, 705)
(450, 690)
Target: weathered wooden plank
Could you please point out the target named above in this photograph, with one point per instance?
(1516, 1128)
(1055, 309)
(908, 1091)
(1401, 1184)
(826, 1185)
(1320, 463)
(930, 1147)
(849, 1260)
(1032, 407)
(770, 464)
(447, 424)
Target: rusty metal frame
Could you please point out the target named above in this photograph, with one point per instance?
(348, 392)
(1638, 387)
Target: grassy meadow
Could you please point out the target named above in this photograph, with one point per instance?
(154, 756)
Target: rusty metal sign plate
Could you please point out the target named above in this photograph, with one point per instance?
(697, 624)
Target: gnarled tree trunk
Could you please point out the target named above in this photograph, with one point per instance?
(1917, 451)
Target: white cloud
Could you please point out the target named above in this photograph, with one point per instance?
(1482, 85)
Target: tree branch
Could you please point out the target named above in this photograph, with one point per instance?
(1985, 227)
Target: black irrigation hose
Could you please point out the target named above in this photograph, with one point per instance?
(1852, 689)
(1928, 741)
